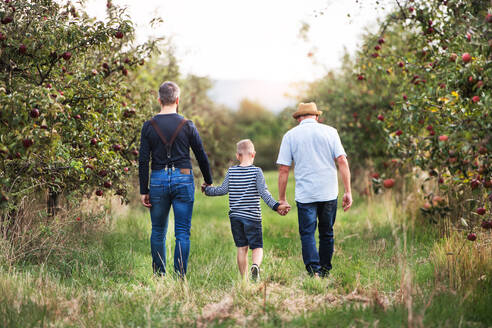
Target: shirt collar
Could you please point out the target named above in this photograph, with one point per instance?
(309, 120)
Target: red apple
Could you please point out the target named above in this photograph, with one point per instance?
(427, 205)
(93, 141)
(377, 48)
(479, 84)
(466, 57)
(22, 49)
(107, 184)
(401, 64)
(116, 147)
(126, 169)
(481, 211)
(360, 77)
(78, 218)
(135, 152)
(411, 9)
(441, 180)
(443, 138)
(453, 57)
(388, 183)
(475, 99)
(77, 117)
(399, 132)
(127, 60)
(432, 132)
(452, 159)
(99, 193)
(380, 117)
(94, 72)
(405, 97)
(381, 41)
(472, 236)
(27, 143)
(67, 55)
(34, 113)
(119, 35)
(375, 175)
(442, 85)
(475, 183)
(375, 55)
(103, 173)
(7, 20)
(124, 71)
(468, 36)
(488, 18)
(429, 128)
(105, 66)
(482, 150)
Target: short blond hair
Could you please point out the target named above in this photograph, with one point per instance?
(245, 146)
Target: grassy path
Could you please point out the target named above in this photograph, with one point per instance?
(383, 276)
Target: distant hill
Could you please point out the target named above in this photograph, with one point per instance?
(271, 94)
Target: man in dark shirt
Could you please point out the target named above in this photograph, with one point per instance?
(167, 139)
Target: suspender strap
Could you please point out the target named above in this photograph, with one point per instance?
(168, 144)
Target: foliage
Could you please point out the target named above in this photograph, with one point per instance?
(68, 119)
(418, 95)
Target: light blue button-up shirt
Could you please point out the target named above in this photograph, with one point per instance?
(313, 147)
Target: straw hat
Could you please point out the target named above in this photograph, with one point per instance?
(306, 109)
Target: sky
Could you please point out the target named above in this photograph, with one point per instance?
(254, 39)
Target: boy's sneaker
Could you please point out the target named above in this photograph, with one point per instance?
(255, 272)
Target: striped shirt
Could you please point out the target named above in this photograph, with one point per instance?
(245, 185)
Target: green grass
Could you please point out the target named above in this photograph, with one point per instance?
(107, 281)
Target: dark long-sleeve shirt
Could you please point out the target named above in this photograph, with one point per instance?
(151, 146)
(245, 185)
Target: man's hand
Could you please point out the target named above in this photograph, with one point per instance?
(145, 200)
(283, 209)
(347, 201)
(204, 186)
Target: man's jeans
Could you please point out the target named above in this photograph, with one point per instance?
(170, 187)
(325, 212)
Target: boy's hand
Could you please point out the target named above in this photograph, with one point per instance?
(283, 209)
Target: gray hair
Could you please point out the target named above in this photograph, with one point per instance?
(168, 93)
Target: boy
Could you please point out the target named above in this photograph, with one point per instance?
(245, 184)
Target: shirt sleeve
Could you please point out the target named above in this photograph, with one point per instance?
(200, 155)
(143, 161)
(285, 152)
(220, 190)
(263, 191)
(337, 146)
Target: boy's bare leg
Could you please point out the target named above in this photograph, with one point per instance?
(242, 260)
(257, 256)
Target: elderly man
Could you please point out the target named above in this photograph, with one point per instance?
(167, 138)
(315, 149)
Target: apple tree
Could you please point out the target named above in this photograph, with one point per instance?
(68, 121)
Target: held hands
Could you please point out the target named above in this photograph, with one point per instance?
(284, 208)
(347, 201)
(204, 185)
(145, 200)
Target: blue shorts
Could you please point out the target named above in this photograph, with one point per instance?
(247, 232)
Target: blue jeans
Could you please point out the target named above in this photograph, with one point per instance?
(170, 187)
(309, 214)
